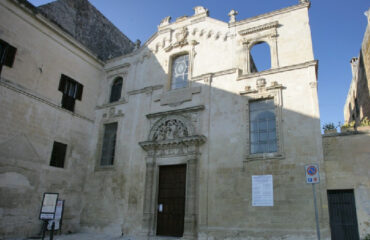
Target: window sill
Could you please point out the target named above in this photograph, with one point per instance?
(264, 156)
(104, 168)
(106, 105)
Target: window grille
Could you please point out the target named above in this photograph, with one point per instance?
(262, 126)
(180, 69)
(109, 144)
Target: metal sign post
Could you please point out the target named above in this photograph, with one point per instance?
(312, 177)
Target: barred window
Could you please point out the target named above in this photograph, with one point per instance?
(115, 93)
(262, 126)
(109, 144)
(180, 66)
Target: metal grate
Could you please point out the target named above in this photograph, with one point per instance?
(343, 217)
(109, 144)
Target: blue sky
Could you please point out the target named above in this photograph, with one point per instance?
(337, 27)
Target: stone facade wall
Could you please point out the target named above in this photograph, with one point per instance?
(347, 167)
(32, 119)
(357, 105)
(216, 106)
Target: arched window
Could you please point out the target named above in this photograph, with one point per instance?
(179, 72)
(260, 57)
(115, 93)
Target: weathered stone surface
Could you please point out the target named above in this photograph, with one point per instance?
(357, 105)
(347, 167)
(86, 24)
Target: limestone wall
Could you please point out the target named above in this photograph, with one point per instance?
(32, 119)
(216, 104)
(347, 167)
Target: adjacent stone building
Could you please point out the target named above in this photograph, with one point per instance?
(182, 136)
(357, 105)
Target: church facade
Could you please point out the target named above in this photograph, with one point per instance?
(182, 136)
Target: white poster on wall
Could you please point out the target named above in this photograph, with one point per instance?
(262, 191)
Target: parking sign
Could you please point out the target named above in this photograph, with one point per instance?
(312, 173)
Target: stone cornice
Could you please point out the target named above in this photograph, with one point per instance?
(145, 89)
(259, 28)
(108, 105)
(214, 74)
(191, 140)
(17, 88)
(177, 111)
(123, 65)
(270, 14)
(278, 70)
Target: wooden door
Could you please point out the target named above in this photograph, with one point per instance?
(171, 200)
(343, 217)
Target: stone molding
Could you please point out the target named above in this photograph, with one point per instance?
(263, 27)
(148, 89)
(176, 97)
(178, 144)
(112, 113)
(278, 70)
(262, 91)
(120, 67)
(214, 74)
(176, 112)
(270, 14)
(26, 92)
(107, 105)
(264, 33)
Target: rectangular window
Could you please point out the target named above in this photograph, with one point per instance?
(7, 54)
(71, 90)
(179, 71)
(109, 144)
(58, 155)
(262, 126)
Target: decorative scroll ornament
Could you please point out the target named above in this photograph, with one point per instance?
(181, 37)
(170, 129)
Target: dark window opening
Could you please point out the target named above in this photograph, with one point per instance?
(260, 57)
(109, 144)
(71, 90)
(7, 54)
(58, 154)
(115, 93)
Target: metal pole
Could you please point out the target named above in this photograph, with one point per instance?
(316, 212)
(52, 231)
(43, 230)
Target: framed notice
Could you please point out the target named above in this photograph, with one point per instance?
(262, 191)
(48, 206)
(58, 216)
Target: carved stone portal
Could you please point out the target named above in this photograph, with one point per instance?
(171, 141)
